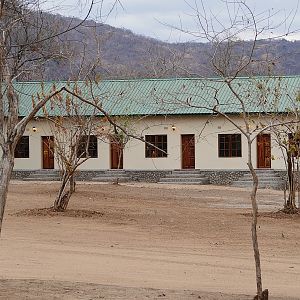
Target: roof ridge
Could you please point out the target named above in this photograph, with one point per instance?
(160, 79)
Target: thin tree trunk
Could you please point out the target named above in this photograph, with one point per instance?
(7, 164)
(62, 196)
(72, 184)
(298, 182)
(120, 152)
(291, 202)
(254, 225)
(119, 158)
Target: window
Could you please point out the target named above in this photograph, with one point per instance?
(230, 145)
(92, 146)
(159, 141)
(22, 148)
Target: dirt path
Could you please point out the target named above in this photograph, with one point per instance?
(186, 242)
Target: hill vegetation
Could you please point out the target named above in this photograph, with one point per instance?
(122, 54)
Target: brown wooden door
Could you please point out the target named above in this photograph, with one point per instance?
(48, 152)
(188, 151)
(264, 151)
(116, 156)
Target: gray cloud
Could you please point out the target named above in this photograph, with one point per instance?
(151, 18)
(155, 18)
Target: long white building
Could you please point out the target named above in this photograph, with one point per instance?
(173, 115)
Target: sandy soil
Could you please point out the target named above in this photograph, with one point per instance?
(145, 241)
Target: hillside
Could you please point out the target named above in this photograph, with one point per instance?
(124, 54)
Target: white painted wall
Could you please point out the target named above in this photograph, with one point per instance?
(206, 148)
(206, 137)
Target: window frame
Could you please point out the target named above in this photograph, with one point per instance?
(234, 146)
(152, 152)
(93, 141)
(21, 153)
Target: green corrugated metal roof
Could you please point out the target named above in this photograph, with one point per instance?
(175, 95)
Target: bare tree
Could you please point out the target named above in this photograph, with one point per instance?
(29, 38)
(81, 119)
(73, 130)
(287, 137)
(253, 123)
(229, 58)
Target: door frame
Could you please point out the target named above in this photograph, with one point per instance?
(258, 163)
(182, 152)
(45, 141)
(116, 149)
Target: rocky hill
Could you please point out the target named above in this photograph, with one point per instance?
(123, 54)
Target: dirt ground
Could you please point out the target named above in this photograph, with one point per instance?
(145, 241)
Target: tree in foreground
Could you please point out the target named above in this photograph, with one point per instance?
(79, 117)
(73, 129)
(230, 58)
(287, 137)
(29, 38)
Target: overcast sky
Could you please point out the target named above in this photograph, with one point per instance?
(152, 17)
